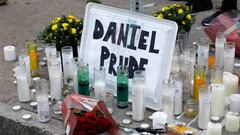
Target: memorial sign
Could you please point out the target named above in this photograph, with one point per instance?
(113, 37)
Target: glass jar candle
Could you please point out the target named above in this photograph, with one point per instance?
(99, 84)
(67, 55)
(75, 62)
(55, 78)
(191, 109)
(199, 80)
(217, 74)
(32, 51)
(83, 79)
(214, 126)
(122, 86)
(107, 98)
(138, 95)
(229, 55)
(203, 52)
(219, 44)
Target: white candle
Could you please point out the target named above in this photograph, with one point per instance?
(178, 98)
(214, 128)
(203, 51)
(99, 87)
(56, 86)
(231, 84)
(9, 53)
(218, 100)
(229, 54)
(219, 44)
(159, 119)
(232, 122)
(204, 109)
(138, 101)
(235, 102)
(23, 89)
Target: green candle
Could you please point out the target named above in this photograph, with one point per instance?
(122, 87)
(83, 79)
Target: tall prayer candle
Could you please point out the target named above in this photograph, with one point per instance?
(229, 54)
(55, 80)
(67, 55)
(138, 95)
(217, 74)
(199, 79)
(204, 108)
(32, 48)
(99, 84)
(122, 86)
(203, 50)
(218, 99)
(232, 122)
(231, 84)
(219, 44)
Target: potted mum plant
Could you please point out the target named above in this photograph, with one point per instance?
(63, 31)
(179, 13)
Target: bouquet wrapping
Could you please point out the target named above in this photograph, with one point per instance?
(227, 23)
(83, 115)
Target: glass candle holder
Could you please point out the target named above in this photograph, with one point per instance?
(204, 107)
(138, 95)
(42, 100)
(99, 83)
(203, 51)
(50, 49)
(55, 78)
(32, 51)
(75, 62)
(83, 79)
(168, 95)
(178, 90)
(22, 82)
(183, 38)
(217, 74)
(67, 55)
(199, 80)
(219, 51)
(108, 98)
(122, 86)
(229, 55)
(191, 109)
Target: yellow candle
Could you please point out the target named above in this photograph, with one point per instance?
(199, 80)
(32, 49)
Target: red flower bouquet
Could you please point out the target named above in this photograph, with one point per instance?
(85, 116)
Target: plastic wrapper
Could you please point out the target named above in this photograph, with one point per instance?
(228, 23)
(83, 115)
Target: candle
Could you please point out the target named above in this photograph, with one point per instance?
(138, 95)
(218, 99)
(22, 83)
(122, 86)
(178, 87)
(229, 54)
(235, 102)
(159, 119)
(83, 79)
(199, 80)
(99, 87)
(204, 108)
(214, 127)
(232, 122)
(67, 55)
(9, 53)
(219, 44)
(32, 50)
(203, 50)
(231, 84)
(99, 83)
(217, 74)
(190, 110)
(55, 80)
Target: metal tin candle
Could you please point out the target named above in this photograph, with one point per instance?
(199, 79)
(32, 50)
(122, 86)
(83, 79)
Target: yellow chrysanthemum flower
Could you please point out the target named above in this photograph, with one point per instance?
(180, 11)
(189, 17)
(54, 27)
(56, 20)
(71, 17)
(160, 16)
(164, 9)
(65, 26)
(183, 22)
(78, 21)
(73, 31)
(70, 20)
(178, 5)
(169, 14)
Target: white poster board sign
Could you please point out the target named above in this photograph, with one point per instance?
(113, 37)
